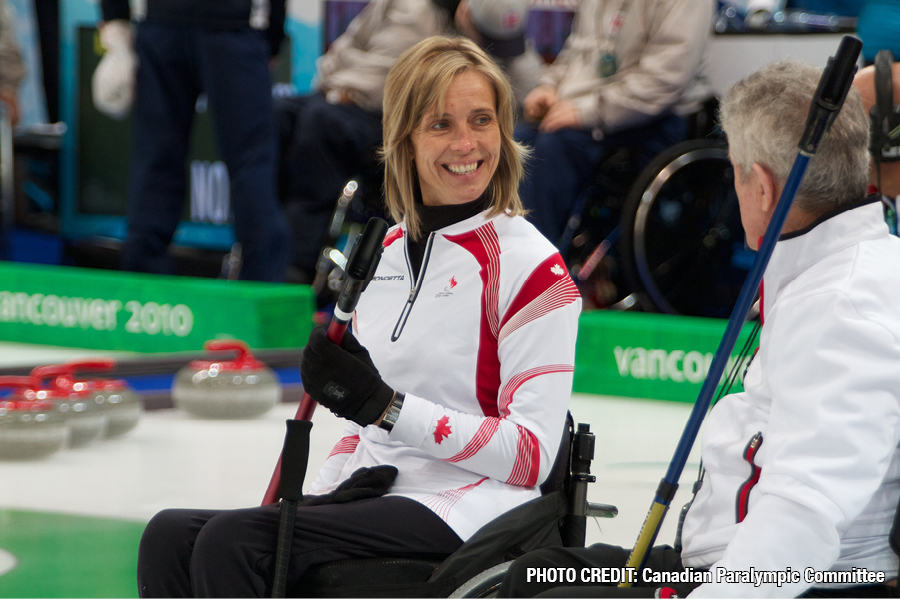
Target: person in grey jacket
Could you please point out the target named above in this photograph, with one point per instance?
(628, 73)
(333, 134)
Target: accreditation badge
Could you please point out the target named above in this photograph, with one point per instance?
(608, 65)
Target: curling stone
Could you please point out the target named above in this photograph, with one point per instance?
(226, 389)
(28, 429)
(87, 418)
(122, 404)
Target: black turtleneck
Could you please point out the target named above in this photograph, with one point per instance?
(432, 218)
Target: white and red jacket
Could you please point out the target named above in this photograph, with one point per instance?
(484, 351)
(820, 489)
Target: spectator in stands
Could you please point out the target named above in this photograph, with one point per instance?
(12, 70)
(183, 49)
(627, 76)
(331, 135)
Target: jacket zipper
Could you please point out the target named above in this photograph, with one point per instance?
(414, 292)
(743, 495)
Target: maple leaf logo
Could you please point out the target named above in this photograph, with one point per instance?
(557, 270)
(452, 282)
(615, 22)
(442, 429)
(510, 20)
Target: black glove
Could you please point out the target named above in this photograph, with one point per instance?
(365, 482)
(343, 378)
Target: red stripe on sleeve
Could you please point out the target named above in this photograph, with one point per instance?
(485, 432)
(346, 445)
(528, 460)
(515, 382)
(547, 288)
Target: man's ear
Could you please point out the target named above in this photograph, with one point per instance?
(768, 188)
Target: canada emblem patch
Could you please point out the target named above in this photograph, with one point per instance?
(442, 429)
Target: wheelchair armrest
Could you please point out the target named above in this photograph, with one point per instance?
(606, 511)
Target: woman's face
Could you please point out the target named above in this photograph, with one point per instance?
(456, 153)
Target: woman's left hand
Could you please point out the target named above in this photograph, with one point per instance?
(561, 115)
(343, 378)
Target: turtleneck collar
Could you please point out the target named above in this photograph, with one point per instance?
(433, 218)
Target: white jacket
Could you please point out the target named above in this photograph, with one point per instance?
(824, 392)
(660, 48)
(485, 356)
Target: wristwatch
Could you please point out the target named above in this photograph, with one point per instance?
(393, 412)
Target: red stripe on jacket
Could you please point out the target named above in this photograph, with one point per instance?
(528, 460)
(345, 445)
(485, 432)
(392, 237)
(512, 386)
(483, 244)
(547, 288)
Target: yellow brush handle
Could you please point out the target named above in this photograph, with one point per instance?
(646, 538)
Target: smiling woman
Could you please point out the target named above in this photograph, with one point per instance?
(456, 379)
(449, 114)
(456, 151)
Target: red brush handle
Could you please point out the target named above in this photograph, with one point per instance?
(305, 411)
(360, 268)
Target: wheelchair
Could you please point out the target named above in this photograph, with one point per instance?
(666, 237)
(556, 518)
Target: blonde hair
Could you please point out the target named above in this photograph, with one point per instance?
(417, 83)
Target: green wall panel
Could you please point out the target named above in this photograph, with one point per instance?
(112, 310)
(643, 355)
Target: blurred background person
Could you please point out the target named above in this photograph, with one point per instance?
(884, 175)
(223, 49)
(628, 75)
(12, 70)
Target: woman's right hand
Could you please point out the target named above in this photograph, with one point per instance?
(538, 102)
(343, 379)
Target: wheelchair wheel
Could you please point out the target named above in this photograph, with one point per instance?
(483, 585)
(682, 241)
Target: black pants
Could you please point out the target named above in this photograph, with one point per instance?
(322, 146)
(212, 553)
(660, 559)
(177, 63)
(564, 162)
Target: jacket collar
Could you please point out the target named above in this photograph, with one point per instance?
(799, 250)
(473, 222)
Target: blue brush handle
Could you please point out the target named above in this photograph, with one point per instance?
(830, 94)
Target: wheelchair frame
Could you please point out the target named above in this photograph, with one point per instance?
(676, 236)
(559, 518)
